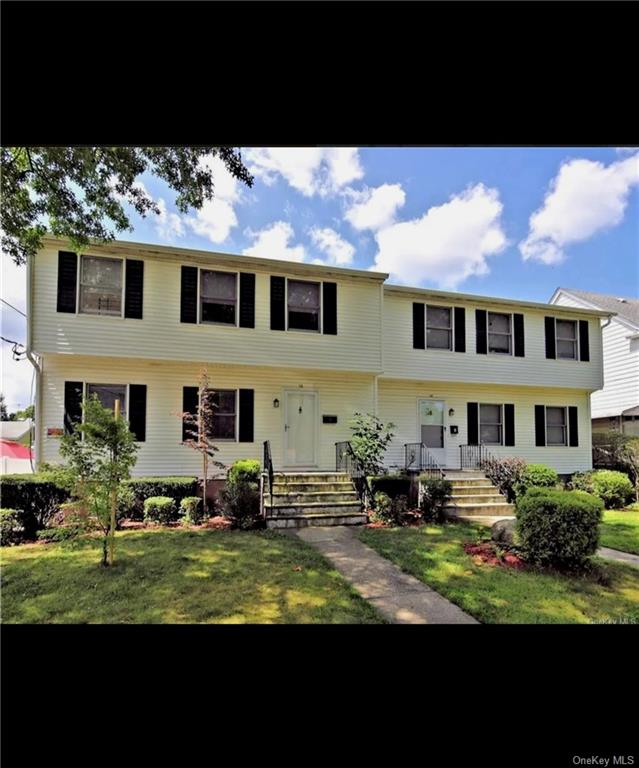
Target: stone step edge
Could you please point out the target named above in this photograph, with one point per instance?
(311, 504)
(480, 504)
(316, 515)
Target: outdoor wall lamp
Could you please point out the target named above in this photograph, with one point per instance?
(451, 412)
(276, 403)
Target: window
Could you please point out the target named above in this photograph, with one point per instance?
(556, 426)
(224, 412)
(499, 333)
(100, 286)
(490, 424)
(218, 297)
(303, 305)
(566, 331)
(108, 394)
(439, 328)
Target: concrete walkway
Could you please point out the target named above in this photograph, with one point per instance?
(620, 557)
(400, 598)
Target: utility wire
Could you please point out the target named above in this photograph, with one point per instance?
(18, 354)
(12, 307)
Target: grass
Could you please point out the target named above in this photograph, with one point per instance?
(496, 595)
(178, 576)
(620, 529)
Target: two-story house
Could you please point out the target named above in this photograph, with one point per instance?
(616, 405)
(293, 350)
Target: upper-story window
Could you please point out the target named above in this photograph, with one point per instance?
(101, 286)
(303, 305)
(439, 327)
(556, 426)
(490, 424)
(500, 333)
(218, 297)
(107, 394)
(566, 332)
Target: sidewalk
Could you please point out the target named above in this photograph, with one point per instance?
(620, 557)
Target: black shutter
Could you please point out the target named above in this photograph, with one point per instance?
(419, 326)
(460, 329)
(584, 346)
(573, 430)
(190, 396)
(278, 303)
(518, 322)
(67, 281)
(188, 295)
(540, 425)
(247, 410)
(137, 411)
(329, 309)
(550, 337)
(509, 424)
(72, 405)
(134, 289)
(472, 415)
(480, 330)
(247, 300)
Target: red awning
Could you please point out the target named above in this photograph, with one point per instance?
(11, 450)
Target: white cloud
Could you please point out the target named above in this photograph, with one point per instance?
(449, 243)
(216, 218)
(375, 208)
(338, 250)
(15, 378)
(169, 225)
(309, 170)
(272, 242)
(584, 198)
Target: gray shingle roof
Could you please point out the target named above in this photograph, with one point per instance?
(625, 307)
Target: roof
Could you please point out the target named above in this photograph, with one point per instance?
(625, 307)
(14, 430)
(11, 450)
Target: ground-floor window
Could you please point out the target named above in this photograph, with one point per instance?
(491, 424)
(107, 395)
(556, 425)
(224, 419)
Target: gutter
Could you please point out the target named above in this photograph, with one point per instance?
(36, 365)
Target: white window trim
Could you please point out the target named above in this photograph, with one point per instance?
(237, 298)
(78, 285)
(236, 429)
(511, 334)
(502, 426)
(577, 347)
(451, 348)
(567, 427)
(320, 331)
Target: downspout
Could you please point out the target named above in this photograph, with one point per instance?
(38, 369)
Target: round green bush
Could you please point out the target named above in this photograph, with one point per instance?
(191, 510)
(11, 528)
(245, 471)
(160, 509)
(559, 528)
(536, 476)
(613, 488)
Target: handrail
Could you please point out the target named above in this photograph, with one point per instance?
(347, 461)
(268, 467)
(473, 456)
(418, 457)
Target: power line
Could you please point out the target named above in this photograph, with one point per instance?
(12, 307)
(18, 354)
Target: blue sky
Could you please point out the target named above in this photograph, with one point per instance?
(513, 222)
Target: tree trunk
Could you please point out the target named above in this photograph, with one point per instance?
(105, 551)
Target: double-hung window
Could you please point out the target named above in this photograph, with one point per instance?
(491, 426)
(439, 327)
(500, 333)
(566, 332)
(101, 286)
(304, 305)
(224, 414)
(218, 297)
(107, 394)
(556, 426)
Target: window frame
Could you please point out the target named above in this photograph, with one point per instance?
(236, 414)
(450, 329)
(320, 320)
(499, 424)
(565, 425)
(577, 356)
(87, 384)
(510, 334)
(78, 292)
(199, 298)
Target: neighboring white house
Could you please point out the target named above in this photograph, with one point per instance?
(293, 350)
(616, 406)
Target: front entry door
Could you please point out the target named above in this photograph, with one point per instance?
(432, 430)
(300, 429)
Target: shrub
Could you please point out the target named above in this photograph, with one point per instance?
(613, 488)
(537, 476)
(559, 528)
(61, 533)
(241, 504)
(506, 474)
(176, 488)
(392, 511)
(160, 509)
(390, 485)
(369, 441)
(191, 510)
(11, 528)
(245, 470)
(436, 491)
(37, 497)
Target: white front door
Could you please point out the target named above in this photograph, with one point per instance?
(300, 429)
(432, 429)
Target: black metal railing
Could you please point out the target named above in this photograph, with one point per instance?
(418, 458)
(268, 467)
(346, 461)
(474, 456)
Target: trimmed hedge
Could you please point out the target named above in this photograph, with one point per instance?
(37, 498)
(160, 509)
(176, 488)
(245, 471)
(11, 528)
(613, 488)
(191, 510)
(391, 485)
(559, 528)
(536, 476)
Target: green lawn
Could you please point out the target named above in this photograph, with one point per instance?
(620, 529)
(178, 576)
(497, 595)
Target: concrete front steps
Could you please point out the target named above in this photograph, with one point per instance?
(475, 499)
(303, 499)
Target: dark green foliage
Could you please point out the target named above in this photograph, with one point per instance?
(37, 497)
(11, 528)
(506, 474)
(61, 533)
(369, 441)
(392, 511)
(391, 485)
(613, 488)
(177, 488)
(536, 476)
(436, 492)
(191, 510)
(245, 470)
(558, 528)
(160, 509)
(241, 504)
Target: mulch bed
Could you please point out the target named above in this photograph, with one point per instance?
(486, 553)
